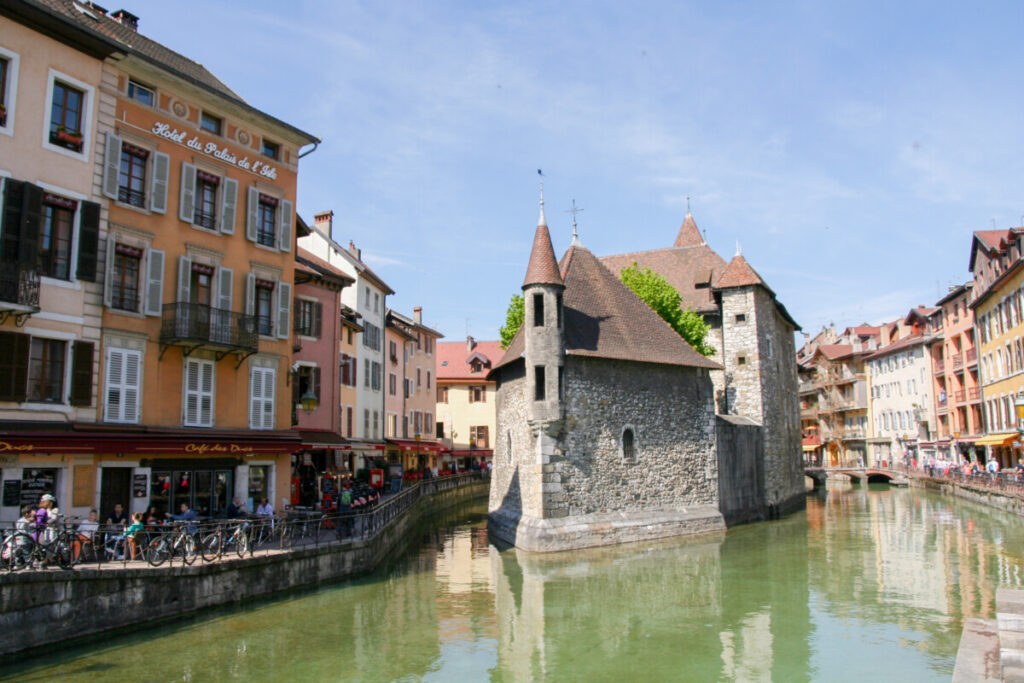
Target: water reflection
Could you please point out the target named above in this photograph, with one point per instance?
(866, 584)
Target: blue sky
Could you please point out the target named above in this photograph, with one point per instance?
(851, 148)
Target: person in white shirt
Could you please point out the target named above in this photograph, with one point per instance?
(86, 532)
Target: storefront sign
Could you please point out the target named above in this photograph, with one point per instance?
(140, 484)
(12, 492)
(34, 483)
(164, 130)
(203, 448)
(7, 447)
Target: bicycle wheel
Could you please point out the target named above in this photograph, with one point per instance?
(210, 546)
(157, 552)
(64, 554)
(287, 535)
(16, 552)
(189, 548)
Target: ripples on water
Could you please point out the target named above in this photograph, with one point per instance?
(867, 584)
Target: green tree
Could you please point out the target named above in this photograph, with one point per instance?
(513, 319)
(664, 300)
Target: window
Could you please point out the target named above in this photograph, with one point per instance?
(740, 318)
(392, 384)
(206, 200)
(371, 336)
(366, 423)
(628, 447)
(46, 371)
(55, 237)
(131, 179)
(392, 424)
(198, 403)
(377, 375)
(308, 315)
(141, 93)
(477, 394)
(66, 109)
(366, 373)
(124, 281)
(261, 398)
(393, 348)
(428, 380)
(538, 310)
(442, 394)
(265, 307)
(376, 424)
(376, 303)
(211, 124)
(271, 149)
(741, 360)
(419, 378)
(347, 370)
(266, 222)
(307, 378)
(478, 437)
(5, 77)
(122, 386)
(538, 383)
(348, 422)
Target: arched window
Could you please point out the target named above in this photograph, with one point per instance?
(628, 445)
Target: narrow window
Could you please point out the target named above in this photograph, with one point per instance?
(124, 281)
(266, 225)
(538, 310)
(206, 200)
(211, 123)
(538, 383)
(55, 240)
(5, 65)
(264, 307)
(558, 310)
(66, 116)
(628, 449)
(131, 179)
(46, 371)
(271, 149)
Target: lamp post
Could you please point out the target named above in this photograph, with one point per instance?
(309, 401)
(956, 449)
(419, 464)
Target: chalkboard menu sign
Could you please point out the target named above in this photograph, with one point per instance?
(140, 482)
(12, 492)
(34, 483)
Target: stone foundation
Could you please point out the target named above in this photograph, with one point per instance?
(601, 529)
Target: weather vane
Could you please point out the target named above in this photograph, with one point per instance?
(574, 210)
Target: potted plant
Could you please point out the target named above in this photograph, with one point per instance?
(68, 136)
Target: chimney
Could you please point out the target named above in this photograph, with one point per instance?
(417, 315)
(324, 222)
(470, 344)
(358, 253)
(126, 19)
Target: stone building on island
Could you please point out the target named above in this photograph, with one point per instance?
(606, 422)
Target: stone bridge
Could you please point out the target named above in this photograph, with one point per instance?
(822, 474)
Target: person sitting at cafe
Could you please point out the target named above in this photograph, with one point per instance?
(187, 515)
(85, 533)
(131, 532)
(118, 517)
(235, 509)
(264, 509)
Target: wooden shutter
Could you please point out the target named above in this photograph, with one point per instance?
(250, 294)
(187, 200)
(81, 373)
(284, 233)
(155, 282)
(284, 309)
(158, 186)
(318, 314)
(31, 220)
(111, 165)
(199, 387)
(14, 350)
(10, 227)
(88, 240)
(132, 386)
(84, 487)
(261, 398)
(191, 403)
(252, 213)
(225, 285)
(316, 383)
(121, 386)
(206, 394)
(108, 272)
(229, 198)
(184, 279)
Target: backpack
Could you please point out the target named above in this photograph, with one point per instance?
(346, 497)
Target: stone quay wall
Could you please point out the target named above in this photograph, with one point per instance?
(1008, 501)
(46, 607)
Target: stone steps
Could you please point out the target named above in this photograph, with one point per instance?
(993, 649)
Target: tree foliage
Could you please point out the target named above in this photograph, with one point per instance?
(664, 300)
(513, 319)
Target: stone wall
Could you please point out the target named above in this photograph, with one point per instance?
(740, 470)
(41, 608)
(516, 477)
(671, 412)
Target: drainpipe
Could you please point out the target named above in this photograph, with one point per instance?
(316, 143)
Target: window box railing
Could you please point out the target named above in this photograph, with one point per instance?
(940, 367)
(958, 360)
(971, 355)
(133, 197)
(206, 326)
(19, 285)
(974, 393)
(64, 137)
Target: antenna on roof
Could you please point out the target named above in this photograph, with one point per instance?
(687, 205)
(739, 249)
(542, 220)
(575, 235)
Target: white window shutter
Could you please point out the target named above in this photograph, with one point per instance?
(191, 403)
(184, 279)
(113, 385)
(132, 380)
(284, 234)
(111, 165)
(252, 214)
(225, 284)
(108, 279)
(187, 202)
(206, 390)
(250, 294)
(158, 188)
(269, 387)
(229, 198)
(155, 282)
(255, 397)
(284, 309)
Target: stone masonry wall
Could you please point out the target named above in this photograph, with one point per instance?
(515, 479)
(671, 411)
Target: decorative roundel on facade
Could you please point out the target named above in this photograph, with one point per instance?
(243, 137)
(179, 108)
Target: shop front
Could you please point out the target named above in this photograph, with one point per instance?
(319, 469)
(471, 458)
(415, 455)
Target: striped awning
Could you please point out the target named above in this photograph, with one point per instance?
(996, 439)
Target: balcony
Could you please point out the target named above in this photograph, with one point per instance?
(19, 292)
(850, 404)
(194, 326)
(940, 367)
(958, 360)
(851, 434)
(974, 394)
(960, 396)
(972, 356)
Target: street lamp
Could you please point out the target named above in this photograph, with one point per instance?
(309, 400)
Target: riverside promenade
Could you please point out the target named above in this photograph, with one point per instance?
(40, 607)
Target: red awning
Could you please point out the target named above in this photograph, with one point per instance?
(135, 443)
(321, 438)
(465, 453)
(406, 445)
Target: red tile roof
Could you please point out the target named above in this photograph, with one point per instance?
(604, 319)
(684, 267)
(542, 269)
(899, 345)
(739, 274)
(453, 359)
(689, 235)
(836, 351)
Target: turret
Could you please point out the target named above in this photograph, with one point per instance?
(545, 347)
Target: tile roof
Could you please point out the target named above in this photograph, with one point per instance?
(604, 319)
(542, 269)
(131, 41)
(739, 274)
(684, 267)
(899, 345)
(453, 359)
(308, 258)
(836, 351)
(689, 235)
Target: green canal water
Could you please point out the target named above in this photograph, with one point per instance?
(867, 584)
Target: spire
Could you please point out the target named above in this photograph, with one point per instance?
(575, 234)
(689, 235)
(739, 249)
(542, 220)
(543, 268)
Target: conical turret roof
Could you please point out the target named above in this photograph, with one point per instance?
(689, 235)
(543, 268)
(739, 273)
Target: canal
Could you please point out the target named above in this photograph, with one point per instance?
(871, 583)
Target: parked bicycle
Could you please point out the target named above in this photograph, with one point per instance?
(175, 540)
(229, 535)
(21, 550)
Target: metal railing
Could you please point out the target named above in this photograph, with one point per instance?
(199, 323)
(105, 546)
(19, 284)
(1008, 481)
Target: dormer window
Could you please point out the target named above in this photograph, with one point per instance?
(475, 367)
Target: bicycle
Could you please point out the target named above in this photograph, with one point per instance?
(171, 542)
(213, 544)
(21, 550)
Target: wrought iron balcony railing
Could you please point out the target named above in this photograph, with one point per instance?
(201, 325)
(19, 285)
